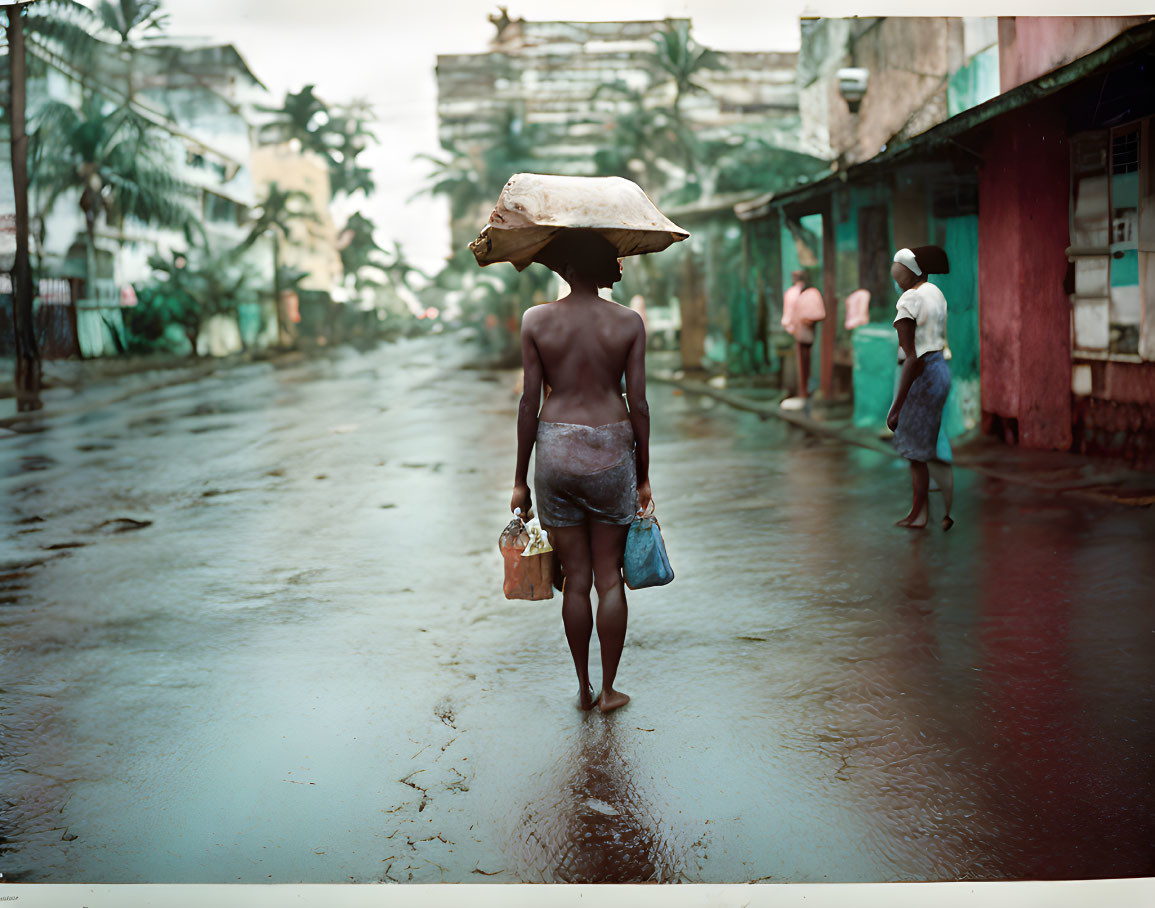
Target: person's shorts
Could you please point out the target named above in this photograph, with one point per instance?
(585, 473)
(804, 333)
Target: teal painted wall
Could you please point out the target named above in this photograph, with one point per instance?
(959, 236)
(974, 83)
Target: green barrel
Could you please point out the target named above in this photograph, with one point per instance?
(875, 360)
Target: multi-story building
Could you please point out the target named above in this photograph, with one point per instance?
(566, 84)
(199, 99)
(311, 244)
(203, 104)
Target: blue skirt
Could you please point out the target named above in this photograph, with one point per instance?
(916, 437)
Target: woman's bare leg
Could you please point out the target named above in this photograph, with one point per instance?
(920, 480)
(943, 474)
(804, 369)
(607, 543)
(572, 545)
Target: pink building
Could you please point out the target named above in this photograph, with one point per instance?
(1067, 238)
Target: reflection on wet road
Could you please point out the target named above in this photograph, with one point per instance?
(253, 631)
(591, 823)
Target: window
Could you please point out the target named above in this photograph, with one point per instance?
(219, 209)
(1113, 243)
(1126, 309)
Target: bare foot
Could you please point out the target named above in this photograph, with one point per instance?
(586, 699)
(612, 699)
(947, 523)
(913, 521)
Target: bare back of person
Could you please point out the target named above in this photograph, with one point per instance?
(584, 344)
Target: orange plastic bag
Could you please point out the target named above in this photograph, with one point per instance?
(526, 576)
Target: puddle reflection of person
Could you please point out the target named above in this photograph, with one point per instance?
(593, 824)
(916, 414)
(592, 462)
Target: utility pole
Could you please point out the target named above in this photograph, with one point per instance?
(27, 352)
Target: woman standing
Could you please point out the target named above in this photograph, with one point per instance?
(916, 415)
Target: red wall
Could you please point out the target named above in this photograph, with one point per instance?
(1032, 45)
(1024, 313)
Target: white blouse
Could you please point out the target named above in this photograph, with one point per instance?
(926, 306)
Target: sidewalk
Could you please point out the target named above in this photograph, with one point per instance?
(78, 385)
(1058, 472)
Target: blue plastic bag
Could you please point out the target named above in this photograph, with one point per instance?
(645, 562)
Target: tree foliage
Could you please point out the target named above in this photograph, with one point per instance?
(338, 134)
(276, 213)
(62, 31)
(115, 160)
(130, 20)
(679, 59)
(192, 287)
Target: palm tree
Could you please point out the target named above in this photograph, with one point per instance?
(646, 140)
(652, 139)
(400, 270)
(116, 160)
(359, 250)
(131, 21)
(680, 59)
(472, 177)
(277, 212)
(507, 147)
(129, 18)
(62, 31)
(349, 135)
(457, 177)
(303, 117)
(338, 134)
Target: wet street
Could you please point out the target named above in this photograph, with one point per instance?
(253, 630)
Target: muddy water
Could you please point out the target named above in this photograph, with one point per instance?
(253, 631)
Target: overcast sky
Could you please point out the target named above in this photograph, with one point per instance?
(385, 51)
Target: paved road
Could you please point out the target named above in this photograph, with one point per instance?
(253, 631)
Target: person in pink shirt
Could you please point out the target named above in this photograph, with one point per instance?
(802, 306)
(857, 309)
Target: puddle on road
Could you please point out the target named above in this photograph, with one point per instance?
(592, 822)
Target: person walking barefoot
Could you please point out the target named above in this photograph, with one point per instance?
(593, 452)
(916, 414)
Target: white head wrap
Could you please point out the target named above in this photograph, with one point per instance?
(906, 258)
